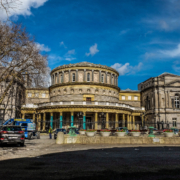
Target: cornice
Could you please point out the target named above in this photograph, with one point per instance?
(83, 64)
(83, 83)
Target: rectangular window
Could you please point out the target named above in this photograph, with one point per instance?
(73, 77)
(123, 97)
(129, 97)
(174, 121)
(88, 99)
(135, 98)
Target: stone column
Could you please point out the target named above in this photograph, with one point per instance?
(54, 79)
(123, 124)
(92, 75)
(51, 120)
(84, 120)
(58, 78)
(39, 122)
(84, 75)
(127, 121)
(96, 120)
(51, 80)
(72, 118)
(69, 75)
(23, 115)
(114, 80)
(61, 120)
(34, 117)
(44, 121)
(133, 118)
(107, 120)
(106, 77)
(62, 76)
(116, 120)
(111, 79)
(76, 75)
(99, 76)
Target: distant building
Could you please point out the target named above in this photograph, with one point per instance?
(87, 95)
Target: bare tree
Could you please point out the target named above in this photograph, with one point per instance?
(19, 58)
(9, 5)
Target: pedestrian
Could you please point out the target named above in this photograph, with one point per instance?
(50, 133)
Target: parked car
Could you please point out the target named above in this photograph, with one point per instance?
(120, 128)
(11, 134)
(59, 130)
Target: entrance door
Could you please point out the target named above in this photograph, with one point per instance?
(88, 123)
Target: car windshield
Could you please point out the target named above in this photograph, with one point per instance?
(11, 128)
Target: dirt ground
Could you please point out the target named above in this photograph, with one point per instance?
(43, 159)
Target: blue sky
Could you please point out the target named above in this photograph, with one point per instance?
(140, 38)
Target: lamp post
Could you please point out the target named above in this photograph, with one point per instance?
(80, 118)
(103, 116)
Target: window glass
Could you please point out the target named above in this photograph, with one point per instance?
(88, 99)
(10, 128)
(129, 97)
(174, 120)
(102, 78)
(61, 78)
(136, 98)
(88, 77)
(73, 77)
(176, 101)
(123, 98)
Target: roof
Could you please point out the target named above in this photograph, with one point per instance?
(129, 90)
(84, 64)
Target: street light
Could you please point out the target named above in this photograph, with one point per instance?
(103, 116)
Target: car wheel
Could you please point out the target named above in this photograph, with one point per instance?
(54, 137)
(22, 144)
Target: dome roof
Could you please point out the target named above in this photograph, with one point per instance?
(84, 64)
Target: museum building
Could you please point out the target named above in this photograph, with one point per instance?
(87, 96)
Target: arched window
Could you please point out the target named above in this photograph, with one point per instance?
(102, 78)
(176, 100)
(88, 77)
(73, 77)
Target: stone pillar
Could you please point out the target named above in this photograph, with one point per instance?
(84, 120)
(116, 120)
(106, 77)
(61, 120)
(51, 80)
(69, 75)
(107, 120)
(99, 76)
(84, 75)
(72, 118)
(54, 79)
(92, 75)
(133, 117)
(44, 121)
(51, 120)
(76, 75)
(111, 79)
(39, 122)
(58, 78)
(123, 124)
(23, 115)
(96, 120)
(34, 117)
(62, 76)
(114, 80)
(127, 121)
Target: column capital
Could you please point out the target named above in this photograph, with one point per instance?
(84, 113)
(61, 113)
(72, 113)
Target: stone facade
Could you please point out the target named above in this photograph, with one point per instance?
(160, 97)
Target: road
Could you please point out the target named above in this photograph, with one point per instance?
(43, 159)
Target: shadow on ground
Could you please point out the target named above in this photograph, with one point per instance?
(111, 164)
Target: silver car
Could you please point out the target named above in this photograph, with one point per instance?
(10, 134)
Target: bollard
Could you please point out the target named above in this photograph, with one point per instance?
(60, 138)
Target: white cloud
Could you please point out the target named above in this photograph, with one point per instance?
(123, 32)
(126, 68)
(62, 44)
(42, 47)
(71, 51)
(92, 50)
(22, 7)
(171, 53)
(176, 66)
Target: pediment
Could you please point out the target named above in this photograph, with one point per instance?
(174, 83)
